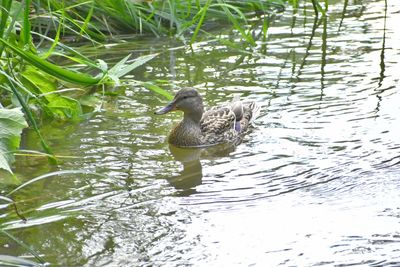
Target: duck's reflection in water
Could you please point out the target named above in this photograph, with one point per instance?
(192, 173)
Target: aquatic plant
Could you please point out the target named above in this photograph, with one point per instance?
(181, 18)
(32, 81)
(96, 19)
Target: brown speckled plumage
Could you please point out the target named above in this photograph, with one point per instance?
(221, 124)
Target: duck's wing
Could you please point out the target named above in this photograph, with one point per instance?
(218, 120)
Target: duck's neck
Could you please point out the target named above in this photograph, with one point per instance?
(187, 132)
(194, 115)
(192, 118)
(190, 125)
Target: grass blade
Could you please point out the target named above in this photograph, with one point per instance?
(5, 12)
(32, 121)
(9, 261)
(227, 9)
(22, 244)
(26, 29)
(52, 69)
(318, 8)
(158, 90)
(120, 69)
(47, 175)
(202, 13)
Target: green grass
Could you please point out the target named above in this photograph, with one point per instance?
(182, 18)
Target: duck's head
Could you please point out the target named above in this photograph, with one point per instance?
(187, 100)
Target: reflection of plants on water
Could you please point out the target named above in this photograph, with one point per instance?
(17, 218)
(382, 63)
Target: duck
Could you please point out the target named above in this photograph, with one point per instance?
(202, 128)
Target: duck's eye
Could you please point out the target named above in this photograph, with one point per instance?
(185, 97)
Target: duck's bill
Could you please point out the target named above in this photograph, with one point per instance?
(166, 109)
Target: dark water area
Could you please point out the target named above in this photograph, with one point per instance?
(315, 182)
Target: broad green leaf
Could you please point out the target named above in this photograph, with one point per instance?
(89, 101)
(59, 106)
(40, 83)
(12, 122)
(65, 108)
(4, 163)
(118, 67)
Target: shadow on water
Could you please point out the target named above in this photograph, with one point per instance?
(192, 173)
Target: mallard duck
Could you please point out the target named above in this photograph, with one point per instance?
(220, 124)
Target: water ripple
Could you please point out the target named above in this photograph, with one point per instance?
(314, 183)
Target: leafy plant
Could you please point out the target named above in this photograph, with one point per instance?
(30, 80)
(12, 122)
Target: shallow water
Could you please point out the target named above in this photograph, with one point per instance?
(316, 181)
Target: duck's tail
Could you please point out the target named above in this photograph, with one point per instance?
(251, 111)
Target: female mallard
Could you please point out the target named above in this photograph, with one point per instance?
(222, 124)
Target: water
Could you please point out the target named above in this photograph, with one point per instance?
(314, 183)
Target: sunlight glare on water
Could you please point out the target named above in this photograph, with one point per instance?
(316, 182)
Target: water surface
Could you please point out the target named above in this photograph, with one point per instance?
(316, 181)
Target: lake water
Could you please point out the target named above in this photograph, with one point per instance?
(315, 183)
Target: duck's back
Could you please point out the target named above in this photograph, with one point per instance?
(224, 124)
(217, 126)
(217, 120)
